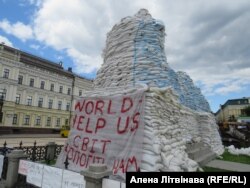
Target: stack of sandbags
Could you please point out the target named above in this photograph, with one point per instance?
(189, 122)
(209, 132)
(135, 53)
(164, 134)
(192, 94)
(235, 151)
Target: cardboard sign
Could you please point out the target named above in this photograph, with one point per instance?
(106, 130)
(23, 167)
(72, 180)
(52, 177)
(35, 174)
(1, 165)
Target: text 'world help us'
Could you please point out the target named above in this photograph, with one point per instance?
(86, 109)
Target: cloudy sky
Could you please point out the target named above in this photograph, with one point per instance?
(210, 40)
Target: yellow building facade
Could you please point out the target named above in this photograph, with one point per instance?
(36, 94)
(232, 109)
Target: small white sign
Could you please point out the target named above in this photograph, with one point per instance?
(35, 174)
(52, 177)
(72, 180)
(1, 165)
(123, 185)
(107, 183)
(24, 166)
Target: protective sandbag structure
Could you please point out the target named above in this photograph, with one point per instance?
(176, 113)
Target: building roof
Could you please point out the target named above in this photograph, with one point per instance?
(241, 101)
(30, 59)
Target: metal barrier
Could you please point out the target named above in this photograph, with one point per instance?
(34, 153)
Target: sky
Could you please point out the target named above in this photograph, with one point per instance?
(210, 40)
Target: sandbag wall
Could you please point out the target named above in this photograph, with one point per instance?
(169, 126)
(135, 53)
(164, 133)
(209, 132)
(192, 94)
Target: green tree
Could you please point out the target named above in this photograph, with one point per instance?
(247, 110)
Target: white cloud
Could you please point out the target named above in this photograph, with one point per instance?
(84, 63)
(227, 89)
(78, 27)
(230, 86)
(221, 82)
(5, 41)
(34, 46)
(59, 57)
(18, 29)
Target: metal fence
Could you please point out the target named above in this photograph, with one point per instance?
(34, 153)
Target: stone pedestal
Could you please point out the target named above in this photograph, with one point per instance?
(13, 164)
(51, 149)
(94, 175)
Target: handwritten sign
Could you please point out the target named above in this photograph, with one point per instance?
(24, 167)
(106, 130)
(1, 165)
(72, 180)
(52, 177)
(35, 174)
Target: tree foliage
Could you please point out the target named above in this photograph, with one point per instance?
(247, 110)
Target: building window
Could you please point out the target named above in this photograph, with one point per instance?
(59, 105)
(27, 120)
(29, 100)
(50, 103)
(3, 94)
(42, 84)
(61, 89)
(80, 93)
(18, 97)
(48, 121)
(40, 102)
(52, 87)
(20, 79)
(69, 90)
(38, 120)
(66, 121)
(14, 121)
(32, 82)
(58, 122)
(68, 106)
(6, 73)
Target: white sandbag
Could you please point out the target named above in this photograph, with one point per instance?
(235, 151)
(149, 168)
(151, 159)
